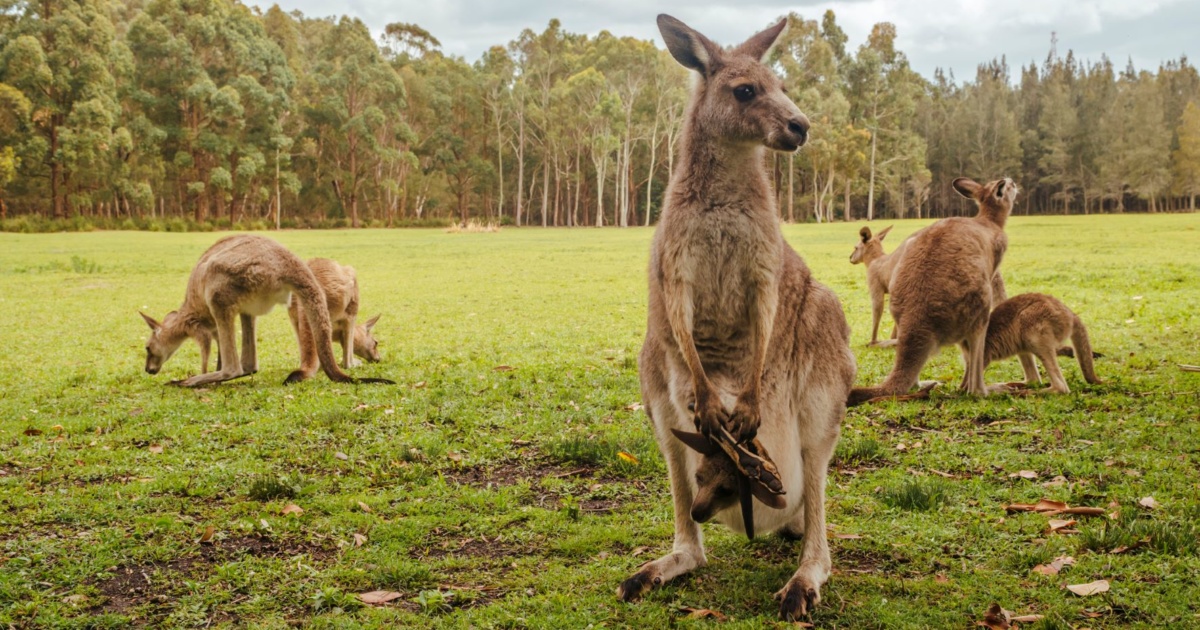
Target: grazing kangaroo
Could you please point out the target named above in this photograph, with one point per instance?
(1037, 324)
(340, 285)
(880, 267)
(739, 335)
(945, 287)
(242, 275)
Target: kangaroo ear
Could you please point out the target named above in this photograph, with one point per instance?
(768, 498)
(696, 442)
(760, 44)
(688, 47)
(967, 187)
(865, 233)
(371, 322)
(153, 323)
(884, 232)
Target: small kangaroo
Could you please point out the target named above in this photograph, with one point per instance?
(739, 335)
(340, 284)
(1037, 324)
(880, 268)
(945, 287)
(244, 276)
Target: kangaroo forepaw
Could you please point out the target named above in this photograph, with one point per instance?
(744, 421)
(641, 583)
(797, 600)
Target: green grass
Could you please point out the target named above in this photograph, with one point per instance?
(496, 498)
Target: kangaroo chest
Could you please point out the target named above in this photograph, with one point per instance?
(733, 264)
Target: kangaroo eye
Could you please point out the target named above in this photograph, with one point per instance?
(743, 93)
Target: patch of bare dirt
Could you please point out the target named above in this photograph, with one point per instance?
(135, 585)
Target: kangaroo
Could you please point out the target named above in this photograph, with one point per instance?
(945, 287)
(242, 275)
(1033, 323)
(880, 267)
(740, 338)
(340, 284)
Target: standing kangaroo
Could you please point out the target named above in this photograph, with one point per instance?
(945, 287)
(1033, 323)
(739, 336)
(340, 285)
(242, 275)
(880, 268)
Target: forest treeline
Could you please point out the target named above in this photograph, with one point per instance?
(193, 113)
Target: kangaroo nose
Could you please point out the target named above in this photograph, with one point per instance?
(799, 127)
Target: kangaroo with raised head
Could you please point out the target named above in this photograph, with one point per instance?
(740, 338)
(945, 287)
(340, 285)
(880, 267)
(1037, 324)
(244, 276)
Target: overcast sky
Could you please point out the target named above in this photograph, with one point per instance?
(953, 34)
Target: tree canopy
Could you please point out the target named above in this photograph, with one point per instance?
(216, 113)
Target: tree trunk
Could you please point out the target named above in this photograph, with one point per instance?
(791, 202)
(871, 185)
(545, 188)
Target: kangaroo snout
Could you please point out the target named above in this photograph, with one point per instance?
(798, 127)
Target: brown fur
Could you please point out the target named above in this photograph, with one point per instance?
(244, 276)
(945, 288)
(737, 327)
(340, 285)
(880, 268)
(1037, 324)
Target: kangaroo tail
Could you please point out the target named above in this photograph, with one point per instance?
(1083, 351)
(912, 352)
(316, 312)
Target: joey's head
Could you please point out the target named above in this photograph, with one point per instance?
(366, 347)
(165, 338)
(737, 98)
(869, 246)
(995, 198)
(718, 480)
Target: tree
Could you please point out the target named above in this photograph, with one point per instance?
(57, 54)
(1187, 156)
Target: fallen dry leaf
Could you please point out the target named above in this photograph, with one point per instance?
(292, 508)
(1091, 588)
(702, 613)
(1027, 618)
(74, 600)
(1149, 503)
(342, 456)
(1024, 474)
(454, 457)
(375, 598)
(996, 618)
(206, 537)
(633, 406)
(359, 540)
(1058, 524)
(31, 431)
(503, 368)
(157, 449)
(941, 579)
(1054, 567)
(1189, 368)
(627, 457)
(848, 536)
(364, 506)
(419, 385)
(637, 551)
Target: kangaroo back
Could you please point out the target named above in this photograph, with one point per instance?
(1083, 350)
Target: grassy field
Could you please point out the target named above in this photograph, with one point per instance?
(485, 490)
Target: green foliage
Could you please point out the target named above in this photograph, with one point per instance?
(220, 114)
